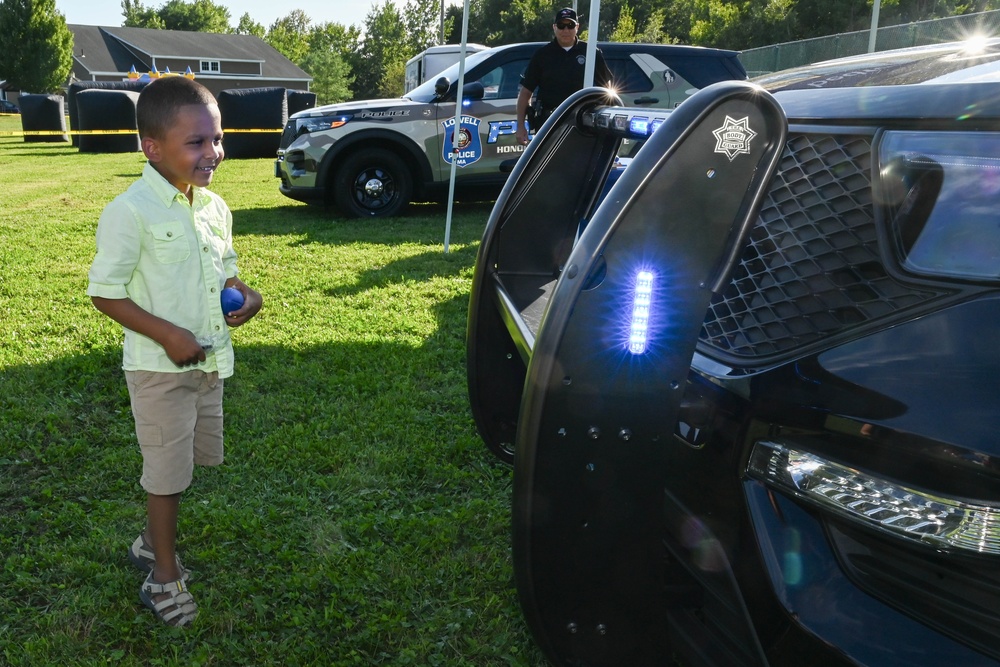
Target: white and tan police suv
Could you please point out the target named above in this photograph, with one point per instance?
(371, 158)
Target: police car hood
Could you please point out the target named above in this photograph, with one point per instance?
(955, 62)
(357, 107)
(932, 81)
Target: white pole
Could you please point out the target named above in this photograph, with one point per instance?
(458, 125)
(592, 21)
(874, 30)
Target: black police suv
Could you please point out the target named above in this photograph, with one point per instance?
(751, 391)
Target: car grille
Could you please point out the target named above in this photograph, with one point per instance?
(812, 267)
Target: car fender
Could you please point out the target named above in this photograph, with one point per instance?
(367, 139)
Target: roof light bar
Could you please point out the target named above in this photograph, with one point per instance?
(939, 521)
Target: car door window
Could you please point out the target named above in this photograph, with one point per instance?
(502, 82)
(628, 77)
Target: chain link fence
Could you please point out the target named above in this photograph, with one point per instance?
(803, 52)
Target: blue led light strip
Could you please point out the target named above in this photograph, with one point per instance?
(641, 299)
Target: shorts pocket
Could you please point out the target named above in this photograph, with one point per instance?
(149, 435)
(170, 242)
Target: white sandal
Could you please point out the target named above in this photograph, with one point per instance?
(178, 610)
(141, 555)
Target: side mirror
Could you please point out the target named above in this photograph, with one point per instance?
(473, 91)
(441, 86)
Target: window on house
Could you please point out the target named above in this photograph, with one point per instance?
(210, 66)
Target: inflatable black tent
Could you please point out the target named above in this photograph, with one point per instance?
(262, 110)
(43, 113)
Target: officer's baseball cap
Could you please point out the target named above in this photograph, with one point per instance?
(566, 14)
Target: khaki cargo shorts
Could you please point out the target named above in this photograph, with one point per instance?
(178, 421)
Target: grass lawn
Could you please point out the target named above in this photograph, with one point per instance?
(358, 518)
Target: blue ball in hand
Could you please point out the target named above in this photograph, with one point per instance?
(232, 299)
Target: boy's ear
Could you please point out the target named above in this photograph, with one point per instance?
(151, 149)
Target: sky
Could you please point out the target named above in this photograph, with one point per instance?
(264, 12)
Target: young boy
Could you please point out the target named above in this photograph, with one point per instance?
(164, 254)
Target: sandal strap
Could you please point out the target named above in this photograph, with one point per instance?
(142, 556)
(141, 548)
(180, 605)
(154, 587)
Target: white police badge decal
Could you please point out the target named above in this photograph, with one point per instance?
(734, 137)
(470, 147)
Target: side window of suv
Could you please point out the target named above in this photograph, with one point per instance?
(628, 77)
(502, 82)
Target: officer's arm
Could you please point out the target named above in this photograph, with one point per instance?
(523, 99)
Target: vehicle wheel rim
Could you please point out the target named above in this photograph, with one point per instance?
(374, 189)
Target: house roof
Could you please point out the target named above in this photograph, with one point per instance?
(106, 50)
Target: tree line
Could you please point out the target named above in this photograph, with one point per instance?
(368, 61)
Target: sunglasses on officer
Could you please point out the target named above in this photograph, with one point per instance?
(565, 26)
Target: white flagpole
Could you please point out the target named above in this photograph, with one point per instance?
(456, 132)
(592, 21)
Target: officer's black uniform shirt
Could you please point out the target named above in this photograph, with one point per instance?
(558, 73)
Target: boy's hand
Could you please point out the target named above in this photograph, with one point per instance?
(252, 302)
(183, 348)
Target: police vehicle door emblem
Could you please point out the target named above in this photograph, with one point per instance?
(470, 146)
(734, 137)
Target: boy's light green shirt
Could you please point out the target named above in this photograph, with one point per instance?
(172, 259)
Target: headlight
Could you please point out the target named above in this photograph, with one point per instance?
(308, 124)
(940, 192)
(950, 524)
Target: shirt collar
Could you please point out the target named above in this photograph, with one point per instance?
(164, 189)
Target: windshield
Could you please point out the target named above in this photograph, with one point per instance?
(425, 91)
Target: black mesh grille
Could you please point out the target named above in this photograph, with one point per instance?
(812, 267)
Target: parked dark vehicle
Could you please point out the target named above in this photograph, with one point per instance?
(372, 158)
(8, 107)
(751, 394)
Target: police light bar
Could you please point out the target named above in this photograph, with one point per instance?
(629, 123)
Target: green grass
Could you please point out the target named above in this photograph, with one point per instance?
(358, 518)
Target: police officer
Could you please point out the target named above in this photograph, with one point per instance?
(557, 71)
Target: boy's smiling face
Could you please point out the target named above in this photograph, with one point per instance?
(191, 149)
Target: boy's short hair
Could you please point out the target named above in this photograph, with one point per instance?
(160, 100)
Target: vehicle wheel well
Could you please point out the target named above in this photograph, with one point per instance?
(332, 161)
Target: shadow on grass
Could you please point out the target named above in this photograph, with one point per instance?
(415, 268)
(424, 223)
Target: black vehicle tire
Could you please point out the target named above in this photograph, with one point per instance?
(372, 183)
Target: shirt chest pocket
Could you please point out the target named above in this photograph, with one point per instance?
(170, 242)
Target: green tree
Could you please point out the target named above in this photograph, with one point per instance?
(653, 32)
(247, 26)
(625, 29)
(330, 45)
(138, 16)
(290, 35)
(36, 47)
(384, 46)
(197, 16)
(422, 21)
(743, 25)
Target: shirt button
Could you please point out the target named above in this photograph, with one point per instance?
(170, 234)
(204, 248)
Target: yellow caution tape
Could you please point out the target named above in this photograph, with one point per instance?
(43, 133)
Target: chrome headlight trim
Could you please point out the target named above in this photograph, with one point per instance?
(943, 522)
